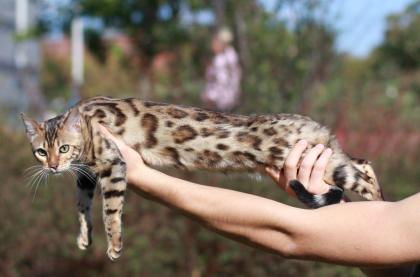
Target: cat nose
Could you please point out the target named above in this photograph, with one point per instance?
(54, 166)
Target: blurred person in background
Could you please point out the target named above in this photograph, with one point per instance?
(223, 75)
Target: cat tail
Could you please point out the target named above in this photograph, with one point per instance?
(313, 201)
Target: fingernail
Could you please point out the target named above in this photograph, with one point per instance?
(328, 151)
(302, 142)
(320, 146)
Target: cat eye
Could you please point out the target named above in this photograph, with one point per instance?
(41, 152)
(64, 148)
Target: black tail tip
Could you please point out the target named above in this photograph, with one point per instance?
(333, 196)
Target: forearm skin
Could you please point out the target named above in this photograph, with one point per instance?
(366, 234)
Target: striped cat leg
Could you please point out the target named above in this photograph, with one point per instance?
(113, 185)
(111, 170)
(86, 183)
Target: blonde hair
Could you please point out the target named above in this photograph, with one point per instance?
(224, 35)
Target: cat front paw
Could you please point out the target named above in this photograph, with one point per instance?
(83, 241)
(114, 252)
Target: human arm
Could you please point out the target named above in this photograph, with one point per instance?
(311, 173)
(362, 233)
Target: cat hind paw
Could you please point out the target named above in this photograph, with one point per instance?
(113, 253)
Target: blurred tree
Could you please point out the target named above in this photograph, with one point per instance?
(401, 46)
(95, 44)
(283, 59)
(152, 25)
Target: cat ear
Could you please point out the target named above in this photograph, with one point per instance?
(31, 126)
(73, 121)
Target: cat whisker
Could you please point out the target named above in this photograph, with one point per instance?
(80, 165)
(82, 170)
(72, 174)
(32, 179)
(42, 180)
(33, 174)
(85, 171)
(35, 182)
(46, 181)
(33, 167)
(32, 170)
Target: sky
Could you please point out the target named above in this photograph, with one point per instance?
(360, 23)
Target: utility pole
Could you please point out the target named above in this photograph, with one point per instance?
(27, 60)
(22, 26)
(77, 58)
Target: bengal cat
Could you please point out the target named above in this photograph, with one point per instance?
(184, 137)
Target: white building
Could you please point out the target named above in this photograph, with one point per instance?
(19, 60)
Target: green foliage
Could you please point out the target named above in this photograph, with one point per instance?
(285, 65)
(55, 78)
(95, 44)
(402, 39)
(152, 25)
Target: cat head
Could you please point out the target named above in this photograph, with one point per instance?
(56, 142)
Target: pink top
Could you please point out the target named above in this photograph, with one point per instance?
(223, 80)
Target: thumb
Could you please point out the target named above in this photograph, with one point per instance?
(120, 144)
(273, 173)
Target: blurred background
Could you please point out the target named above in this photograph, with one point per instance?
(353, 65)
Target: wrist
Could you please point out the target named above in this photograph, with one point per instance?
(138, 174)
(149, 181)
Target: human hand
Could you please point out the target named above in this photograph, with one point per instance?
(133, 160)
(310, 172)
